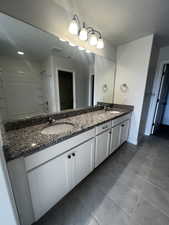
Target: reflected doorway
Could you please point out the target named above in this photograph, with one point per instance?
(91, 89)
(66, 89)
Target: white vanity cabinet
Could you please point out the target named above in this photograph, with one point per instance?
(48, 184)
(50, 181)
(41, 179)
(84, 161)
(102, 142)
(115, 138)
(124, 131)
(119, 132)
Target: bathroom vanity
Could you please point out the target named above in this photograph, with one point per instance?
(55, 132)
(44, 172)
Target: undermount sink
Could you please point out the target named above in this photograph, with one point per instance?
(58, 128)
(109, 111)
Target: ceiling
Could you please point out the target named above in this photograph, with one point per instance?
(121, 21)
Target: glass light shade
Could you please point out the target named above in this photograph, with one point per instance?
(73, 27)
(88, 51)
(100, 43)
(83, 34)
(93, 40)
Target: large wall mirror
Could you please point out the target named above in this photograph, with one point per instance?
(41, 74)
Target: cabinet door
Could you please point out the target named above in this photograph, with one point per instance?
(48, 184)
(102, 147)
(84, 160)
(124, 131)
(115, 138)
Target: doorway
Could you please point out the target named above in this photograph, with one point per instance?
(66, 89)
(160, 126)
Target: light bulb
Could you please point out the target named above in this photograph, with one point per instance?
(61, 39)
(83, 34)
(73, 27)
(81, 48)
(100, 43)
(20, 53)
(71, 44)
(93, 39)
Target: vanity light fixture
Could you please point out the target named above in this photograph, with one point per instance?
(74, 25)
(84, 33)
(100, 43)
(20, 53)
(93, 39)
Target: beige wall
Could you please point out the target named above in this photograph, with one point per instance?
(132, 68)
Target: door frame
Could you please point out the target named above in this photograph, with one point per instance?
(159, 85)
(57, 86)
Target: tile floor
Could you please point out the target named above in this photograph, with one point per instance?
(130, 188)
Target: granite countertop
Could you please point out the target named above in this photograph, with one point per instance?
(25, 141)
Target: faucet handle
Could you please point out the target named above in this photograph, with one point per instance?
(50, 119)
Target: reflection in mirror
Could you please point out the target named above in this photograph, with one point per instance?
(39, 73)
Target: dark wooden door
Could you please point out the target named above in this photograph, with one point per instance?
(65, 89)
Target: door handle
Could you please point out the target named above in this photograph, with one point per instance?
(73, 154)
(69, 156)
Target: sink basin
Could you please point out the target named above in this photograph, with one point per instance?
(58, 128)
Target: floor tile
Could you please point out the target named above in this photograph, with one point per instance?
(109, 213)
(131, 187)
(146, 214)
(158, 197)
(159, 179)
(124, 196)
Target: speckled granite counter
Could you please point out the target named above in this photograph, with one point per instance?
(28, 140)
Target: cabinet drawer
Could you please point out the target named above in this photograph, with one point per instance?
(103, 127)
(120, 119)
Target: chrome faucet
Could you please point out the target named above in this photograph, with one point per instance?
(107, 108)
(51, 120)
